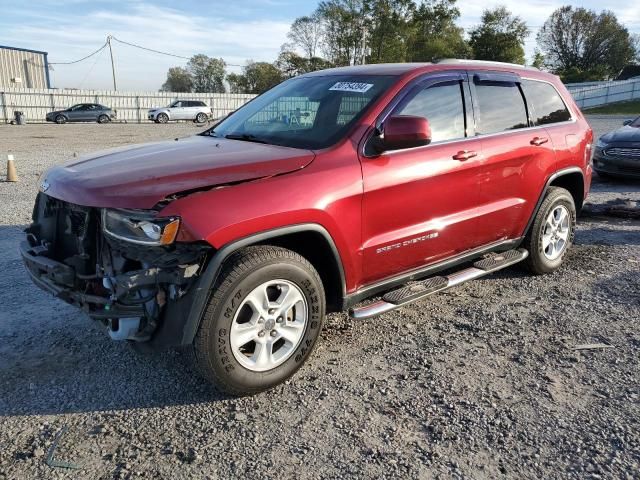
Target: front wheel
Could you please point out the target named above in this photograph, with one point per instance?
(262, 321)
(103, 119)
(201, 118)
(60, 119)
(552, 232)
(162, 118)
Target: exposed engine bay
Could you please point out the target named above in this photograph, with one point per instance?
(125, 285)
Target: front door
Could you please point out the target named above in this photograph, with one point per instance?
(178, 111)
(418, 204)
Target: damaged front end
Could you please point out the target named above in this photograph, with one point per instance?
(121, 267)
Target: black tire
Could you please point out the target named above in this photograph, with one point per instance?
(104, 119)
(162, 118)
(201, 118)
(537, 261)
(241, 274)
(60, 119)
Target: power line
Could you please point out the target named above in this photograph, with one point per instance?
(83, 58)
(163, 53)
(135, 46)
(91, 69)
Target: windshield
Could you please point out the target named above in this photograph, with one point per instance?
(304, 112)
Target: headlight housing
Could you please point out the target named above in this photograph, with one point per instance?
(600, 143)
(140, 226)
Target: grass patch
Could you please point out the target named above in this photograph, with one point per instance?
(623, 108)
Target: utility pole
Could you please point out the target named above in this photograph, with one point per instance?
(113, 68)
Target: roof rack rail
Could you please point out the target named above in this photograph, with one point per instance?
(454, 61)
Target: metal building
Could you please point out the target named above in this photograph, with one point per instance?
(23, 68)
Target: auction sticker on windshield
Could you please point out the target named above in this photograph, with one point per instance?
(352, 87)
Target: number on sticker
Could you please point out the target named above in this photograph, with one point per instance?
(352, 87)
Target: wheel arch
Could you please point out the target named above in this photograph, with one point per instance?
(572, 180)
(312, 241)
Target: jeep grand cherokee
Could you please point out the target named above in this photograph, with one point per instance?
(329, 189)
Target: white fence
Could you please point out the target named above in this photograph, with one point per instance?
(130, 106)
(605, 93)
(133, 106)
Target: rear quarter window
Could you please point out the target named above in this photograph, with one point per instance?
(545, 103)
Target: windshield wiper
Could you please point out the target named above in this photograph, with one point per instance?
(246, 137)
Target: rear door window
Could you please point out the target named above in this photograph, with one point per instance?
(441, 104)
(500, 107)
(545, 104)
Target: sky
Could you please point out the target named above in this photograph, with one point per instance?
(236, 30)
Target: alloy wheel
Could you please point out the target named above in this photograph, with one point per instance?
(555, 233)
(269, 325)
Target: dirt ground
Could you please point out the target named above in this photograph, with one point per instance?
(485, 381)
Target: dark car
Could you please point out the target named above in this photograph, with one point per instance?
(83, 112)
(617, 153)
(400, 180)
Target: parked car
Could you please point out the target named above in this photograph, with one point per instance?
(195, 110)
(83, 112)
(393, 175)
(617, 154)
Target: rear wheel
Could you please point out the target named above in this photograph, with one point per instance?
(103, 119)
(60, 119)
(262, 321)
(162, 118)
(552, 231)
(201, 118)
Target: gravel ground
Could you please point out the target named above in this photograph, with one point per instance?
(480, 382)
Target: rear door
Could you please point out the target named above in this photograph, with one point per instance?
(91, 113)
(418, 204)
(517, 156)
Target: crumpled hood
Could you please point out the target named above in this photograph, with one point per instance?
(623, 135)
(139, 176)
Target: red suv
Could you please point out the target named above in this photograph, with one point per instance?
(331, 188)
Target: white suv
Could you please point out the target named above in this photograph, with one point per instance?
(195, 110)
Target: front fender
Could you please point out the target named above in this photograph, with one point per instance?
(182, 318)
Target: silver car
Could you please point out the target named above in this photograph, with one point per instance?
(195, 110)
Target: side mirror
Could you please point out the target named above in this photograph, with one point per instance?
(404, 131)
(627, 122)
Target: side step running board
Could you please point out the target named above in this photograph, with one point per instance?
(418, 290)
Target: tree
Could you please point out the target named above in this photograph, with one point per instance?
(388, 29)
(306, 33)
(291, 64)
(585, 45)
(344, 22)
(207, 73)
(256, 77)
(178, 80)
(538, 60)
(435, 34)
(499, 37)
(237, 83)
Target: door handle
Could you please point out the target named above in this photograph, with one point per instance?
(463, 155)
(537, 141)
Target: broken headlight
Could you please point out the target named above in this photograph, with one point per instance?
(139, 226)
